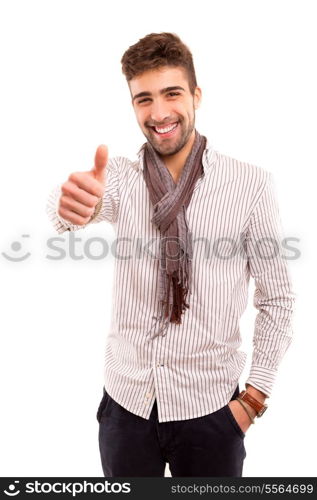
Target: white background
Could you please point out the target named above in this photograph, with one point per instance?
(62, 94)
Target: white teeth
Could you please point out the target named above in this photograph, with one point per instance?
(166, 129)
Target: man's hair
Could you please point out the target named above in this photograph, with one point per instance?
(156, 50)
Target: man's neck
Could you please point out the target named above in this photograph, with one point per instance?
(175, 163)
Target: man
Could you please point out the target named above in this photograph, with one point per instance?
(206, 223)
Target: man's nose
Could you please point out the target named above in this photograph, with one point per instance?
(159, 113)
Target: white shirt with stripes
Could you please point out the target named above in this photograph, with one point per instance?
(195, 367)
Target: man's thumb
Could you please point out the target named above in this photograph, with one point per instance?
(101, 159)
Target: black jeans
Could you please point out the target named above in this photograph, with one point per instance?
(131, 446)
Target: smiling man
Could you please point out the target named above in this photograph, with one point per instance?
(172, 364)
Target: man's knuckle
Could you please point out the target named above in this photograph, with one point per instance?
(66, 188)
(74, 176)
(90, 202)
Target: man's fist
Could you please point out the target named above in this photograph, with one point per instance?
(82, 191)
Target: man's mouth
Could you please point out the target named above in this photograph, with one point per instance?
(166, 131)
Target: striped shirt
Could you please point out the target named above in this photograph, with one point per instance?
(194, 369)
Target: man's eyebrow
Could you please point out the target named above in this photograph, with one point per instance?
(162, 91)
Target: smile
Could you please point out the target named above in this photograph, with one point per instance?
(166, 131)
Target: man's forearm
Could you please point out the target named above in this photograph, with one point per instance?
(273, 296)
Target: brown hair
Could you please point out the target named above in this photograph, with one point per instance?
(156, 50)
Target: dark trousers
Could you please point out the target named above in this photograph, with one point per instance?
(131, 446)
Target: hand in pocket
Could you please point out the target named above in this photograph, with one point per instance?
(240, 415)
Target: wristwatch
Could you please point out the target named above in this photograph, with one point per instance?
(260, 408)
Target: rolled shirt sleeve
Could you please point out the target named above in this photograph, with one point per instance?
(273, 297)
(106, 209)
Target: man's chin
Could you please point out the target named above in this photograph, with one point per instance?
(165, 149)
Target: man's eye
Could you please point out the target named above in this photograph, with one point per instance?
(172, 94)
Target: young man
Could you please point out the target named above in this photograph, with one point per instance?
(206, 223)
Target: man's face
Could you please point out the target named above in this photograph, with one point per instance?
(165, 108)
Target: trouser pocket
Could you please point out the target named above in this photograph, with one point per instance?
(102, 405)
(233, 421)
(231, 416)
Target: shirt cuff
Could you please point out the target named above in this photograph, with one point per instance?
(262, 378)
(97, 211)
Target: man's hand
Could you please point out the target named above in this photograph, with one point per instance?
(82, 191)
(241, 415)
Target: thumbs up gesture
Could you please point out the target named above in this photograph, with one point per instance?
(83, 190)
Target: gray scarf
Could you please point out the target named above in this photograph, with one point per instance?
(170, 201)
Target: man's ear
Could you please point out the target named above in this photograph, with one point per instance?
(197, 97)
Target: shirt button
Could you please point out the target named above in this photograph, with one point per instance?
(149, 394)
(160, 364)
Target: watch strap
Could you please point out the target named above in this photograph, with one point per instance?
(254, 403)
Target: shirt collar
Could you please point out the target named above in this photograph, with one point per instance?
(206, 158)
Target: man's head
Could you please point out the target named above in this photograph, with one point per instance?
(160, 73)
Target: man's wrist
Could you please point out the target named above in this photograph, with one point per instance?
(258, 395)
